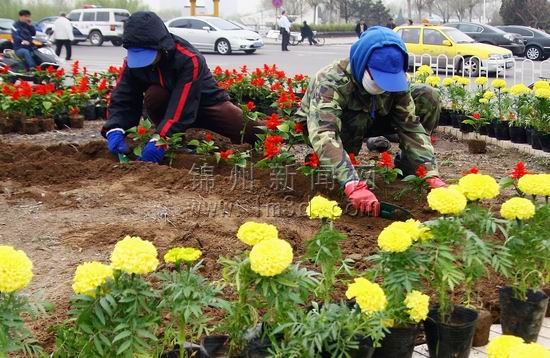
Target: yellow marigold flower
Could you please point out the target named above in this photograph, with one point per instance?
(480, 81)
(498, 83)
(320, 207)
(456, 78)
(134, 255)
(15, 269)
(395, 238)
(528, 350)
(541, 84)
(433, 81)
(542, 93)
(535, 184)
(179, 254)
(448, 81)
(483, 100)
(369, 296)
(464, 81)
(501, 345)
(478, 186)
(517, 208)
(488, 95)
(252, 232)
(89, 276)
(519, 90)
(425, 234)
(418, 305)
(270, 257)
(424, 70)
(447, 201)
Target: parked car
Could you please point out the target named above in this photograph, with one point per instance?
(46, 26)
(208, 33)
(450, 48)
(491, 35)
(5, 31)
(100, 24)
(537, 42)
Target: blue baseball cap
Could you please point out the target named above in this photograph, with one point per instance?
(141, 57)
(386, 66)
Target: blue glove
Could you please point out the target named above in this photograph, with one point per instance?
(115, 141)
(152, 153)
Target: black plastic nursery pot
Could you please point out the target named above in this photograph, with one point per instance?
(89, 112)
(522, 318)
(399, 342)
(217, 347)
(453, 339)
(365, 349)
(518, 134)
(456, 119)
(545, 142)
(483, 130)
(529, 135)
(466, 128)
(62, 121)
(535, 137)
(445, 117)
(491, 131)
(101, 112)
(502, 130)
(191, 351)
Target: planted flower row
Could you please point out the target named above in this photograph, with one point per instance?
(268, 300)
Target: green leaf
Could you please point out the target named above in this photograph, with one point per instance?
(146, 334)
(97, 345)
(124, 346)
(122, 335)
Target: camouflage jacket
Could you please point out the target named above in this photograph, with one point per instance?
(339, 113)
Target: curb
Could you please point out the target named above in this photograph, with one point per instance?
(523, 148)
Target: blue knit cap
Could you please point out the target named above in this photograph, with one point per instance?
(384, 53)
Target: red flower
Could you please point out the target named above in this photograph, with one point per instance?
(276, 86)
(244, 69)
(208, 137)
(50, 69)
(102, 85)
(298, 77)
(352, 159)
(386, 160)
(141, 130)
(224, 154)
(433, 139)
(519, 171)
(250, 105)
(298, 127)
(476, 116)
(473, 170)
(273, 122)
(114, 70)
(218, 71)
(74, 110)
(75, 67)
(312, 160)
(272, 145)
(421, 171)
(258, 82)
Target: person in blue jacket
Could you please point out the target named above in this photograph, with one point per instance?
(22, 33)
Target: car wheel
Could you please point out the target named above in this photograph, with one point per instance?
(96, 38)
(533, 53)
(223, 47)
(250, 52)
(469, 67)
(116, 42)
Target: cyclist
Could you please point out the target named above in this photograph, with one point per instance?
(306, 32)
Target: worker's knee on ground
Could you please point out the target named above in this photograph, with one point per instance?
(426, 98)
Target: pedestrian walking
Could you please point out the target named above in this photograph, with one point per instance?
(284, 28)
(63, 34)
(360, 27)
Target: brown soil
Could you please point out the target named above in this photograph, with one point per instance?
(65, 200)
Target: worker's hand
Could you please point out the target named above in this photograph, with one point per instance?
(115, 141)
(152, 153)
(436, 182)
(362, 198)
(25, 42)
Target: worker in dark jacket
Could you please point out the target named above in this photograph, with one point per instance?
(170, 78)
(307, 33)
(22, 33)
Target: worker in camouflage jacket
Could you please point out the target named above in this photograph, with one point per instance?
(366, 95)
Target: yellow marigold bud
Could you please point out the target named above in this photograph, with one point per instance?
(252, 232)
(89, 276)
(447, 201)
(542, 93)
(535, 184)
(179, 254)
(320, 207)
(498, 83)
(501, 345)
(456, 78)
(424, 70)
(517, 208)
(395, 238)
(270, 257)
(134, 255)
(483, 100)
(418, 305)
(488, 95)
(480, 81)
(369, 296)
(478, 186)
(448, 81)
(519, 90)
(464, 81)
(541, 84)
(433, 81)
(529, 350)
(15, 269)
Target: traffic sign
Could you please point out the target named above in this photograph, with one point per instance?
(277, 3)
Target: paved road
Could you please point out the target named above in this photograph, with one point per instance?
(302, 59)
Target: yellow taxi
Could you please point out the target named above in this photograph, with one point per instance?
(449, 48)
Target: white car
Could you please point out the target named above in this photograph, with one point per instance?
(209, 33)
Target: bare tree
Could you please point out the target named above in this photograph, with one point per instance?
(419, 5)
(315, 5)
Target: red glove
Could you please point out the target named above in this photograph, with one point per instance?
(436, 182)
(362, 198)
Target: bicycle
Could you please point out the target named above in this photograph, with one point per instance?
(318, 39)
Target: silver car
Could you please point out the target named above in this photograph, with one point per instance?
(209, 33)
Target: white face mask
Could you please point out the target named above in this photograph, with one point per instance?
(369, 85)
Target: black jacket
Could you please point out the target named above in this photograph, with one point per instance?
(358, 29)
(182, 70)
(22, 31)
(306, 31)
